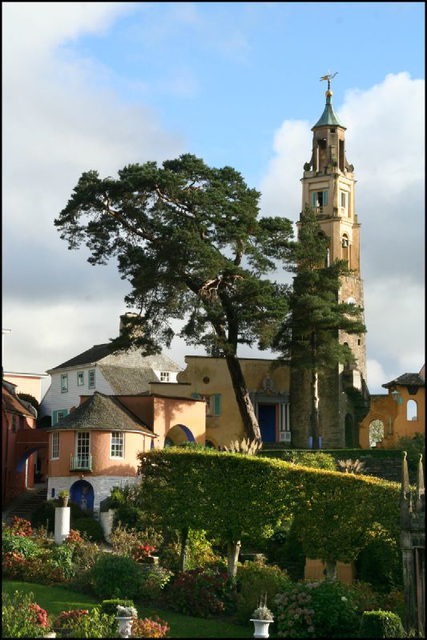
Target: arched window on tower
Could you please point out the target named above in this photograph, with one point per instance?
(345, 248)
(411, 410)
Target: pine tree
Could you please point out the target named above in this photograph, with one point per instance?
(189, 239)
(309, 337)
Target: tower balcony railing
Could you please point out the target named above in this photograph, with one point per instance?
(81, 463)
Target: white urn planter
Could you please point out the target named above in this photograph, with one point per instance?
(125, 626)
(261, 628)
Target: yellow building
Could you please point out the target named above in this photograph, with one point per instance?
(208, 379)
(399, 413)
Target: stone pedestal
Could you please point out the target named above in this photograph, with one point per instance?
(62, 524)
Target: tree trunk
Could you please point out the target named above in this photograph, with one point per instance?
(233, 550)
(250, 423)
(184, 549)
(331, 570)
(315, 409)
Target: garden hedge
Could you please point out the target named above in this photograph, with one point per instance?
(229, 495)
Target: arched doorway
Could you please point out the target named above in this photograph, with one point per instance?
(23, 465)
(376, 432)
(178, 434)
(82, 493)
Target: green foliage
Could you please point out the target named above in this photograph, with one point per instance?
(316, 610)
(285, 549)
(94, 624)
(91, 527)
(125, 539)
(381, 624)
(31, 399)
(380, 563)
(22, 617)
(200, 552)
(110, 606)
(127, 513)
(154, 580)
(253, 580)
(149, 628)
(25, 546)
(314, 460)
(414, 446)
(116, 576)
(189, 240)
(200, 592)
(61, 557)
(333, 512)
(45, 514)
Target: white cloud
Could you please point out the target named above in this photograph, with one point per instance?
(385, 134)
(376, 375)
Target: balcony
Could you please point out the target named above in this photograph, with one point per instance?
(81, 463)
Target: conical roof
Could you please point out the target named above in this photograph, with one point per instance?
(328, 117)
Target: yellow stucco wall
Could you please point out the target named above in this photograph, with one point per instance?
(394, 417)
(208, 376)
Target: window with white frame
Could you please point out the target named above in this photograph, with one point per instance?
(64, 382)
(164, 376)
(80, 378)
(344, 200)
(91, 378)
(83, 447)
(55, 446)
(117, 444)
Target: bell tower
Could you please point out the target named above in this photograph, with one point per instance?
(328, 187)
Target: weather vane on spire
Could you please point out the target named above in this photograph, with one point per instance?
(328, 78)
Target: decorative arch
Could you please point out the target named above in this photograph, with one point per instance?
(83, 494)
(178, 434)
(376, 431)
(411, 410)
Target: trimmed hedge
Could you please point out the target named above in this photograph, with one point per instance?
(337, 454)
(229, 495)
(381, 624)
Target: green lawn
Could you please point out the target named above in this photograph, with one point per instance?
(56, 599)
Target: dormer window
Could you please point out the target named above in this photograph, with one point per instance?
(164, 376)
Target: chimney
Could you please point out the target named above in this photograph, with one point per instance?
(127, 326)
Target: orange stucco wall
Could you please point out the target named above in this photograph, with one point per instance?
(100, 451)
(394, 417)
(26, 384)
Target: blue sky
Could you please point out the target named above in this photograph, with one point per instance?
(100, 85)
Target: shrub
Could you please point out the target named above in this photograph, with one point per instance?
(380, 563)
(90, 527)
(154, 580)
(116, 576)
(200, 592)
(315, 460)
(84, 557)
(20, 527)
(199, 552)
(110, 606)
(61, 557)
(22, 617)
(14, 565)
(45, 514)
(67, 619)
(284, 548)
(74, 537)
(316, 610)
(381, 624)
(254, 579)
(92, 624)
(124, 539)
(25, 546)
(149, 628)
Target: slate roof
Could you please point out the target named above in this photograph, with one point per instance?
(12, 404)
(406, 380)
(128, 380)
(129, 358)
(101, 413)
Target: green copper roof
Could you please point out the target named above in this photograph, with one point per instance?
(328, 116)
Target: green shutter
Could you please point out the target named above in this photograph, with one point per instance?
(325, 198)
(313, 199)
(217, 404)
(196, 396)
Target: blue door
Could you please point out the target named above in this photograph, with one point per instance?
(82, 493)
(267, 422)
